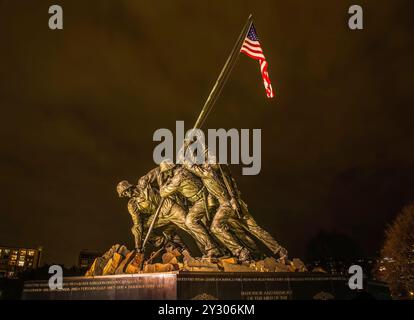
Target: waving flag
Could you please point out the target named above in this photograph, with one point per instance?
(251, 47)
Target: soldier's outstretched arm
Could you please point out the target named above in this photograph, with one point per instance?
(151, 178)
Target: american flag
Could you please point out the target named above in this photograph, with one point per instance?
(251, 47)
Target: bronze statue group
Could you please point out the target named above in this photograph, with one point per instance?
(201, 200)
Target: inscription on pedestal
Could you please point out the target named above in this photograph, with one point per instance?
(197, 286)
(124, 287)
(260, 286)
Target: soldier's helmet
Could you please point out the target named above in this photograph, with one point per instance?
(166, 165)
(122, 187)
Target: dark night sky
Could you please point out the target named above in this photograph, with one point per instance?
(79, 108)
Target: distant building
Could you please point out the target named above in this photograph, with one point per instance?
(14, 260)
(87, 257)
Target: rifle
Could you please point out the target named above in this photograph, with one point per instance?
(231, 192)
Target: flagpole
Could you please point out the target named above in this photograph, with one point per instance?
(224, 75)
(208, 105)
(215, 93)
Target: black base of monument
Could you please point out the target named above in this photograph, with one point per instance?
(199, 286)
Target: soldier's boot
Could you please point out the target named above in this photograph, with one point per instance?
(213, 253)
(244, 255)
(283, 254)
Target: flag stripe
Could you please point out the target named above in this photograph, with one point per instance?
(252, 43)
(253, 55)
(254, 49)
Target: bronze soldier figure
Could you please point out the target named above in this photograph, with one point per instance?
(220, 225)
(142, 205)
(191, 188)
